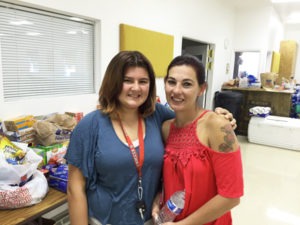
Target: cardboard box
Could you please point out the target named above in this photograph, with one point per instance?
(19, 123)
(78, 115)
(268, 80)
(52, 153)
(21, 133)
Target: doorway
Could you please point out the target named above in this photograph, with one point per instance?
(204, 52)
(246, 63)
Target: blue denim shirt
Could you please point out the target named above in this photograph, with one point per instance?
(107, 164)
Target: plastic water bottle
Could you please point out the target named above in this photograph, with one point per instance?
(172, 208)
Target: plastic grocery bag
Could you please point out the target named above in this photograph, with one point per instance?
(30, 193)
(260, 111)
(16, 174)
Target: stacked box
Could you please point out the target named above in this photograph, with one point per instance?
(78, 115)
(52, 154)
(19, 123)
(58, 177)
(26, 135)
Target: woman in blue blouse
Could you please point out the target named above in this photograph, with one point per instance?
(115, 154)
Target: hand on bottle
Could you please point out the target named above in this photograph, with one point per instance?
(156, 207)
(155, 216)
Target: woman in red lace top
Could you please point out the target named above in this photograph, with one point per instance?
(202, 153)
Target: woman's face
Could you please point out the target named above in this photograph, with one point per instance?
(136, 84)
(182, 89)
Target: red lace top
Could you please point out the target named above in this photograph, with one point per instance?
(200, 171)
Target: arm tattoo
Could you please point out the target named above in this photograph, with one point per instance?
(228, 139)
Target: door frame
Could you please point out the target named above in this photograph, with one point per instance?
(204, 51)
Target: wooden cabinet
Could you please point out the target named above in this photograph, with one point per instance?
(279, 101)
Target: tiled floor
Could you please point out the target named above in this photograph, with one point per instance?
(272, 186)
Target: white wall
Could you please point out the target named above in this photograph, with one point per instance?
(258, 29)
(207, 21)
(292, 32)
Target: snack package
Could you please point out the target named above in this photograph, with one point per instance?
(52, 154)
(58, 176)
(17, 162)
(12, 153)
(25, 135)
(19, 123)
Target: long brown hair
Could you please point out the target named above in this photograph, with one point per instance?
(112, 83)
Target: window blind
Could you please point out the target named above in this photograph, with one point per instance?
(45, 55)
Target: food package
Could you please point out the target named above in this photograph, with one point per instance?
(26, 135)
(54, 130)
(12, 153)
(77, 115)
(17, 163)
(58, 177)
(52, 154)
(19, 123)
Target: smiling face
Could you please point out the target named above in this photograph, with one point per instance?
(135, 90)
(182, 88)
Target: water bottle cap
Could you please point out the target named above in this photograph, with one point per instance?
(173, 207)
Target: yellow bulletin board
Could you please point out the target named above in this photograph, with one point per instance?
(157, 47)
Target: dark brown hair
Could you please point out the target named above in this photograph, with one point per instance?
(112, 83)
(189, 60)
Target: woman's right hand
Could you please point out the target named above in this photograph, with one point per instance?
(156, 207)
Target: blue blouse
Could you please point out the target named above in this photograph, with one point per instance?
(107, 164)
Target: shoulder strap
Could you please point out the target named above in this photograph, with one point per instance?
(201, 115)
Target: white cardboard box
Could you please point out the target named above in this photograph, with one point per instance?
(282, 132)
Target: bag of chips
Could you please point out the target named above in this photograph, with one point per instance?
(17, 164)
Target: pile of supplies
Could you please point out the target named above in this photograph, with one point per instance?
(20, 129)
(53, 130)
(32, 150)
(21, 183)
